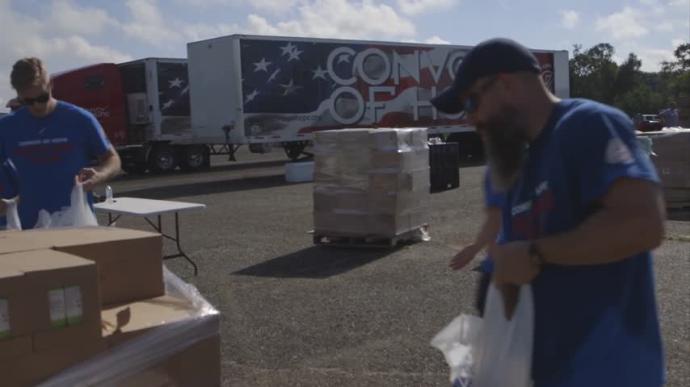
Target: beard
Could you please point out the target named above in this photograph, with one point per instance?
(506, 146)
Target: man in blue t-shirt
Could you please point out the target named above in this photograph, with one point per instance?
(52, 144)
(583, 210)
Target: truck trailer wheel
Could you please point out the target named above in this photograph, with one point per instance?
(162, 159)
(194, 157)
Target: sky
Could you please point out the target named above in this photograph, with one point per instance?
(68, 34)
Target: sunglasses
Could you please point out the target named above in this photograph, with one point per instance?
(43, 98)
(471, 102)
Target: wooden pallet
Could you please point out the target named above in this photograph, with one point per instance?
(368, 241)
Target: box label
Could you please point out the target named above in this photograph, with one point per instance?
(73, 302)
(4, 318)
(58, 315)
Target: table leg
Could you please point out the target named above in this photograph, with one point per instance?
(112, 220)
(179, 248)
(180, 253)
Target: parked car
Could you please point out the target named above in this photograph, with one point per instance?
(648, 122)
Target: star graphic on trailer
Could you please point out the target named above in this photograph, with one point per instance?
(168, 104)
(294, 55)
(251, 96)
(261, 65)
(286, 50)
(290, 88)
(273, 76)
(319, 73)
(177, 82)
(344, 58)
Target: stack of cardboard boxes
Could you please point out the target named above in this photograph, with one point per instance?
(71, 295)
(371, 182)
(671, 156)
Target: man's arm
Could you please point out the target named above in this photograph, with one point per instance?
(630, 221)
(487, 234)
(109, 165)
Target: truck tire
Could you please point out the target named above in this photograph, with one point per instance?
(194, 157)
(162, 159)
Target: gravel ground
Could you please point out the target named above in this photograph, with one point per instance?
(296, 314)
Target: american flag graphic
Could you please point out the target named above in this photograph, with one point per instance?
(292, 87)
(296, 87)
(173, 89)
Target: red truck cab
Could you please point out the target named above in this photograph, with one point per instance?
(98, 89)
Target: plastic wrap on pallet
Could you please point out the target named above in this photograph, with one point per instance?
(149, 349)
(371, 181)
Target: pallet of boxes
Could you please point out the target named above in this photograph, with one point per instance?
(670, 153)
(95, 306)
(371, 187)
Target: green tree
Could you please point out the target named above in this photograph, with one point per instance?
(593, 73)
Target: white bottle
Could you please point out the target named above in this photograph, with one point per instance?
(108, 194)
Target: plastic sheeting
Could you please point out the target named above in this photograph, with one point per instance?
(371, 182)
(149, 349)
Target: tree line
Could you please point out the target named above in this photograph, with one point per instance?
(595, 75)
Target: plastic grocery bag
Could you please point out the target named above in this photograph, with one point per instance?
(78, 214)
(491, 351)
(12, 215)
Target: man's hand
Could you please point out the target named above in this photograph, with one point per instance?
(90, 177)
(464, 257)
(512, 263)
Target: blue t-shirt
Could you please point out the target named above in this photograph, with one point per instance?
(48, 153)
(594, 325)
(492, 199)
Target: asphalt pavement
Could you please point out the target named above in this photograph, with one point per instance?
(294, 314)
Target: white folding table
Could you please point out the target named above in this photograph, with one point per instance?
(147, 208)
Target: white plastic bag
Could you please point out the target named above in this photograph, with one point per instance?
(12, 215)
(78, 214)
(491, 351)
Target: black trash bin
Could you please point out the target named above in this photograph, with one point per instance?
(444, 166)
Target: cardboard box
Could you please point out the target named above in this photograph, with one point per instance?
(129, 261)
(33, 368)
(197, 365)
(62, 296)
(13, 347)
(15, 318)
(124, 322)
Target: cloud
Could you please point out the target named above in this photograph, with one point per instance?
(148, 24)
(625, 24)
(339, 19)
(664, 26)
(60, 46)
(569, 19)
(69, 17)
(652, 58)
(271, 6)
(415, 7)
(436, 40)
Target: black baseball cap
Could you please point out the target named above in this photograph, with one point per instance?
(491, 57)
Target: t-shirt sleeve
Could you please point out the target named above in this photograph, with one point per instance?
(96, 139)
(492, 197)
(600, 147)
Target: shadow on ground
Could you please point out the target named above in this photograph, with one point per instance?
(316, 262)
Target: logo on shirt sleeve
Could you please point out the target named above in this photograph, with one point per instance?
(617, 152)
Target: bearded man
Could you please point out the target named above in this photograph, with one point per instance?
(582, 210)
